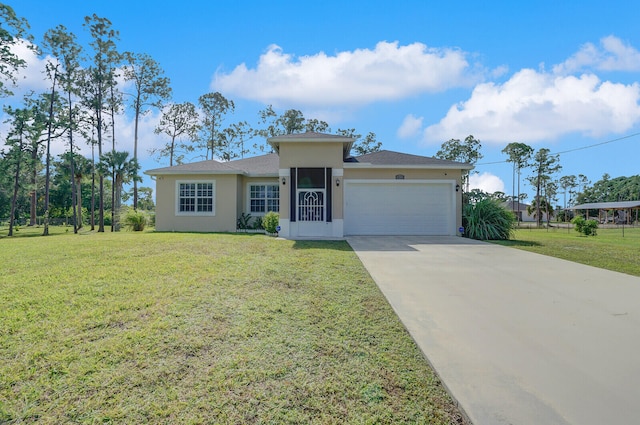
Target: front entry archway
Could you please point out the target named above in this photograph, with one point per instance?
(311, 212)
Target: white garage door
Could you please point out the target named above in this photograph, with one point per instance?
(399, 208)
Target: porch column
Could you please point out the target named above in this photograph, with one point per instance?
(285, 182)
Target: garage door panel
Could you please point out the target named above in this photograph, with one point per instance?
(398, 208)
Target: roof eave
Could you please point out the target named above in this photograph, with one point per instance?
(411, 166)
(192, 172)
(262, 175)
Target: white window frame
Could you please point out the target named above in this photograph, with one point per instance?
(196, 213)
(261, 183)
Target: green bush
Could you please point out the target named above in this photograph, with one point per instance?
(586, 227)
(488, 220)
(257, 224)
(135, 220)
(270, 222)
(244, 222)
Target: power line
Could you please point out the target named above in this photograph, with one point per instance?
(598, 144)
(574, 149)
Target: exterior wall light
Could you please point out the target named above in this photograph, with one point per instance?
(457, 188)
(338, 181)
(284, 180)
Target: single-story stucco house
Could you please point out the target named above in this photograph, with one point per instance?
(318, 189)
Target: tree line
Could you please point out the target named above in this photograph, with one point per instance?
(81, 106)
(543, 174)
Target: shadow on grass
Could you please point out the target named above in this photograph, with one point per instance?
(336, 245)
(30, 232)
(318, 244)
(517, 243)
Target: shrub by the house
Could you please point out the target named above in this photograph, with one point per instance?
(487, 219)
(270, 222)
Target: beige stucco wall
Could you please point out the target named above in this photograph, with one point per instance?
(315, 154)
(390, 173)
(226, 205)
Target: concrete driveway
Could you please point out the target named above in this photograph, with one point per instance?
(518, 338)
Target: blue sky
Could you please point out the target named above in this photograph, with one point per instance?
(558, 75)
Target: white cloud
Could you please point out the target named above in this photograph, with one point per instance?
(499, 71)
(32, 76)
(358, 77)
(534, 105)
(147, 139)
(612, 55)
(486, 182)
(410, 127)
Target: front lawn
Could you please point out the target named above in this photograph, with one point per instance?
(608, 250)
(203, 328)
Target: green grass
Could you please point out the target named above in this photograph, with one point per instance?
(202, 328)
(608, 250)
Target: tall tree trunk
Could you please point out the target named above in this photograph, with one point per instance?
(113, 170)
(538, 217)
(173, 143)
(101, 204)
(80, 218)
(513, 186)
(73, 194)
(93, 188)
(16, 186)
(118, 201)
(519, 214)
(135, 151)
(48, 159)
(34, 187)
(101, 178)
(72, 165)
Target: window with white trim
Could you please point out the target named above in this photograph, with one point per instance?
(264, 198)
(196, 198)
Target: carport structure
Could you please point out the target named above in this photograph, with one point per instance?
(626, 207)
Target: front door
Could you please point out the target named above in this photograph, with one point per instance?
(311, 212)
(311, 202)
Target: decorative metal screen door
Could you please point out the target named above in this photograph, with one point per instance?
(311, 212)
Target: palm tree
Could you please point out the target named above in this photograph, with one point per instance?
(545, 208)
(124, 171)
(81, 168)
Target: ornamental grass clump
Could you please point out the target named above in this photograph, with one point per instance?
(135, 220)
(488, 220)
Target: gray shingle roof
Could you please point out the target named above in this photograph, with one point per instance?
(267, 165)
(308, 136)
(607, 205)
(258, 165)
(385, 157)
(263, 165)
(513, 205)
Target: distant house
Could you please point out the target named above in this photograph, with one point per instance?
(318, 189)
(520, 210)
(611, 212)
